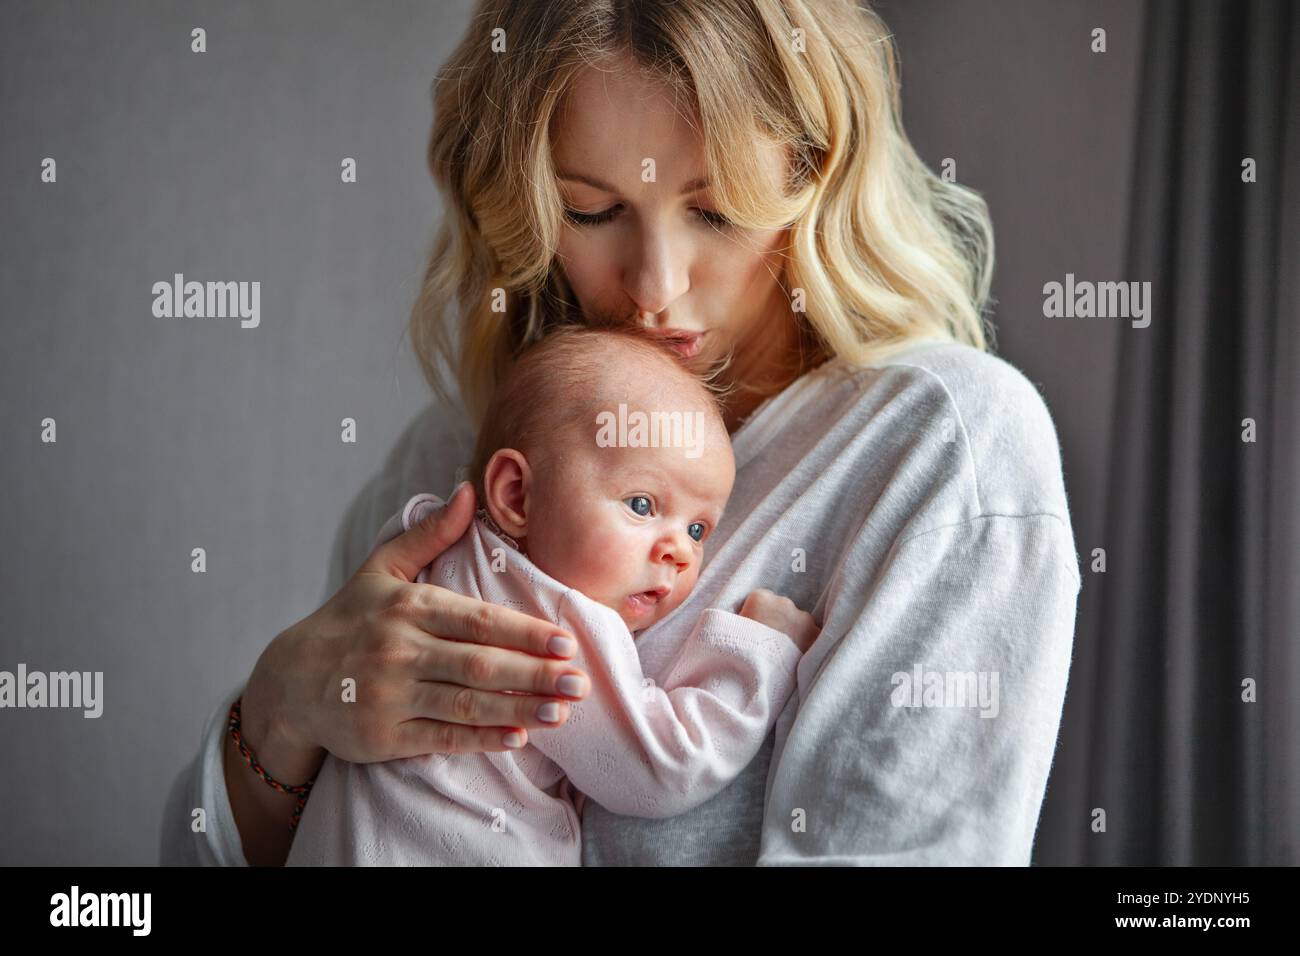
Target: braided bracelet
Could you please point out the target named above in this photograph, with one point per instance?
(302, 789)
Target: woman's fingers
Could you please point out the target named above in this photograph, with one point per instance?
(419, 736)
(482, 674)
(485, 709)
(453, 616)
(488, 668)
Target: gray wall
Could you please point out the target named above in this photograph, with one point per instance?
(183, 433)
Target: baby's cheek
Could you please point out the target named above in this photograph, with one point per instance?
(688, 580)
(685, 585)
(605, 558)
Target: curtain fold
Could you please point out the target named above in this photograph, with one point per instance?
(1203, 529)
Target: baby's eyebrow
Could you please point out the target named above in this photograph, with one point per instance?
(647, 473)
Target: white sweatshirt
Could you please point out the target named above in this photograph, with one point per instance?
(917, 510)
(640, 743)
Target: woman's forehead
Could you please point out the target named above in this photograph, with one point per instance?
(622, 80)
(617, 114)
(627, 132)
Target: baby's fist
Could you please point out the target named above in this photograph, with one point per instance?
(780, 614)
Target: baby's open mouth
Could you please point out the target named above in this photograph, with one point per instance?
(645, 600)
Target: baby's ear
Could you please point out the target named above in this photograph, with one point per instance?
(507, 480)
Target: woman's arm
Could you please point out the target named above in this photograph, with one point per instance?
(259, 811)
(433, 663)
(926, 735)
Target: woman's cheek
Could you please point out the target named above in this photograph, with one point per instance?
(583, 265)
(724, 289)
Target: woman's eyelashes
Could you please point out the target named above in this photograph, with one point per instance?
(644, 508)
(715, 219)
(589, 218)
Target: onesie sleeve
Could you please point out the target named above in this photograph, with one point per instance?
(643, 750)
(927, 735)
(417, 507)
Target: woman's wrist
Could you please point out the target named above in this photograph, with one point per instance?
(282, 756)
(283, 750)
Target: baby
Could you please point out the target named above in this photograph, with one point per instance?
(602, 468)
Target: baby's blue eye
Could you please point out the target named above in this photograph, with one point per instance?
(697, 524)
(637, 509)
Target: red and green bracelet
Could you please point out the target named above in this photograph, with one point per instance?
(302, 789)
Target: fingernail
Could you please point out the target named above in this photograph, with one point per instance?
(456, 490)
(561, 645)
(513, 740)
(549, 712)
(570, 685)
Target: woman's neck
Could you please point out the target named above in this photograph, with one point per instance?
(738, 409)
(773, 360)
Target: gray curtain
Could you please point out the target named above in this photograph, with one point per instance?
(1203, 530)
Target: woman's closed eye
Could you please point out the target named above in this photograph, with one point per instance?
(714, 219)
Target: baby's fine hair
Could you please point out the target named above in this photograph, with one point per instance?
(552, 384)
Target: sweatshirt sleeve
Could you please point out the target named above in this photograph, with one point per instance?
(927, 734)
(643, 750)
(202, 785)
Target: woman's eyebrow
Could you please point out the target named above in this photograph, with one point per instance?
(693, 186)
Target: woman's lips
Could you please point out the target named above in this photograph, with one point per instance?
(686, 344)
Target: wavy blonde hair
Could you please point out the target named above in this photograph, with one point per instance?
(882, 252)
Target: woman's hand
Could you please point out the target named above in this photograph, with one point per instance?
(434, 672)
(780, 613)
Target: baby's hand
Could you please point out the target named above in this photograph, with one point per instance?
(779, 613)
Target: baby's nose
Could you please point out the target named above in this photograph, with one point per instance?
(675, 551)
(681, 564)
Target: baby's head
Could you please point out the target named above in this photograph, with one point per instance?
(608, 461)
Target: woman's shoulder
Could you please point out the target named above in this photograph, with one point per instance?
(958, 398)
(437, 437)
(425, 457)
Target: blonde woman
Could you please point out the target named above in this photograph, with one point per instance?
(734, 174)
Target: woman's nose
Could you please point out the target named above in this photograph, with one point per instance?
(657, 276)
